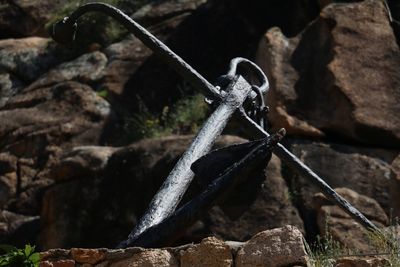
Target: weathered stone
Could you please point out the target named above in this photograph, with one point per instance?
(340, 226)
(368, 206)
(341, 75)
(395, 187)
(26, 59)
(362, 262)
(36, 122)
(86, 69)
(8, 188)
(9, 86)
(262, 203)
(60, 263)
(55, 254)
(210, 252)
(13, 227)
(91, 256)
(81, 161)
(277, 247)
(156, 12)
(364, 170)
(149, 258)
(26, 18)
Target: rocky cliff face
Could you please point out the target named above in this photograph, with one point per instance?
(70, 178)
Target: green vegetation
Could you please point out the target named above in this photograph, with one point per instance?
(13, 257)
(325, 251)
(182, 118)
(96, 27)
(387, 243)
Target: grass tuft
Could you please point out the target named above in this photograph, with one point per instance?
(184, 117)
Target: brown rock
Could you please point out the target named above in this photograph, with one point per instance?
(210, 252)
(340, 226)
(81, 161)
(8, 188)
(340, 75)
(254, 207)
(149, 258)
(368, 206)
(364, 170)
(28, 58)
(278, 247)
(10, 222)
(362, 262)
(60, 263)
(156, 12)
(91, 256)
(36, 121)
(85, 69)
(395, 187)
(333, 221)
(26, 18)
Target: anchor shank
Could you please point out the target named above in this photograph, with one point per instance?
(168, 197)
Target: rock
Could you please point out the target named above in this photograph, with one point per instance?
(17, 229)
(362, 262)
(81, 161)
(8, 188)
(277, 247)
(9, 85)
(90, 256)
(339, 76)
(149, 258)
(24, 60)
(156, 12)
(395, 187)
(368, 206)
(255, 206)
(36, 124)
(86, 69)
(37, 116)
(210, 252)
(341, 227)
(10, 221)
(20, 18)
(28, 58)
(364, 170)
(60, 263)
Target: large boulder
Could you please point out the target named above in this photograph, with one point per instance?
(337, 224)
(367, 171)
(36, 124)
(340, 76)
(263, 202)
(23, 61)
(277, 247)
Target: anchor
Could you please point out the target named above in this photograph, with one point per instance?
(229, 97)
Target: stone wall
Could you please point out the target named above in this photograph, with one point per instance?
(277, 247)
